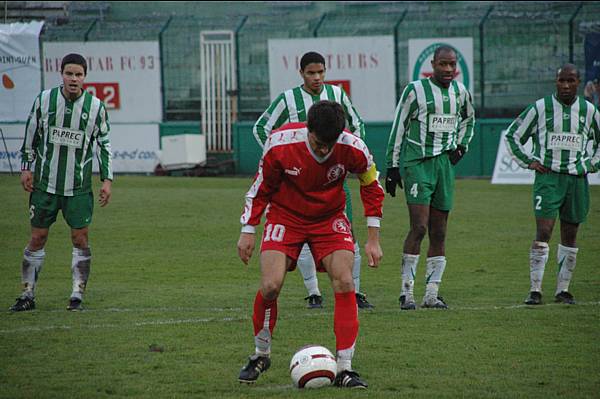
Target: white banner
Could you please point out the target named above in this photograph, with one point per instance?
(363, 66)
(20, 69)
(135, 147)
(420, 54)
(507, 171)
(125, 75)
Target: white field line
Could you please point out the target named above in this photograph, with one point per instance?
(142, 310)
(248, 316)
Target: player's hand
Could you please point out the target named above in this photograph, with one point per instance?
(538, 167)
(457, 154)
(392, 179)
(105, 192)
(372, 247)
(245, 246)
(27, 180)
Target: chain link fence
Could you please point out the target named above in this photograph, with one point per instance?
(517, 45)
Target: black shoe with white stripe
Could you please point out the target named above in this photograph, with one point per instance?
(349, 379)
(361, 301)
(256, 366)
(23, 304)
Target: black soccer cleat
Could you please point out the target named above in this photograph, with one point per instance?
(74, 305)
(256, 366)
(565, 297)
(314, 301)
(434, 303)
(23, 304)
(361, 301)
(407, 303)
(534, 298)
(349, 379)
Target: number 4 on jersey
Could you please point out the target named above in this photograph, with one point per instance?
(414, 190)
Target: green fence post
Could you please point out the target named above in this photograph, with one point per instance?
(315, 32)
(162, 67)
(396, 53)
(87, 33)
(482, 58)
(571, 56)
(237, 64)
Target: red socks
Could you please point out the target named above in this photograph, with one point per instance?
(265, 313)
(345, 320)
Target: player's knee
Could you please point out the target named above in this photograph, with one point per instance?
(543, 235)
(38, 239)
(418, 231)
(79, 239)
(37, 242)
(270, 290)
(343, 283)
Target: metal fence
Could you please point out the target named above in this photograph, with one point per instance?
(517, 45)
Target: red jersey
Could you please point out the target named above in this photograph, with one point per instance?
(301, 187)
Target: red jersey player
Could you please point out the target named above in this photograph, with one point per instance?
(300, 184)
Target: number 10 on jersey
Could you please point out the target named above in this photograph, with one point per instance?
(274, 232)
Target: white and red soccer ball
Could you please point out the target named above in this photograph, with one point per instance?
(313, 366)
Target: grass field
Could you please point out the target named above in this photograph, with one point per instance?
(165, 272)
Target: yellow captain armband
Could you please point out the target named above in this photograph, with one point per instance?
(369, 176)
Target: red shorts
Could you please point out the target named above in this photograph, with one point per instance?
(323, 238)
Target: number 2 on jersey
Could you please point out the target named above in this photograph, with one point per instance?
(538, 202)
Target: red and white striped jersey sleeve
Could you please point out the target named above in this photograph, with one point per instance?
(266, 183)
(371, 192)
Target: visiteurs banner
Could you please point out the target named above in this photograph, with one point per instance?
(363, 66)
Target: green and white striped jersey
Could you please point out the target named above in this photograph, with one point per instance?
(429, 120)
(59, 137)
(560, 136)
(292, 106)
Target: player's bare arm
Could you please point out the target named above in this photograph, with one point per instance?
(27, 180)
(105, 192)
(246, 246)
(538, 167)
(373, 248)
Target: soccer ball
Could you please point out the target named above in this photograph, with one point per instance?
(313, 366)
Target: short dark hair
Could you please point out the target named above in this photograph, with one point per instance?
(442, 49)
(327, 120)
(568, 67)
(73, 58)
(311, 58)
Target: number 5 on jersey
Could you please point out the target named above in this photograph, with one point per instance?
(274, 233)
